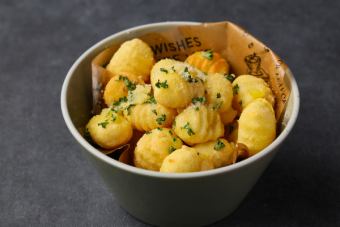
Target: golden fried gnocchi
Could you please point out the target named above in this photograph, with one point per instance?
(117, 88)
(175, 83)
(154, 147)
(257, 125)
(183, 160)
(148, 116)
(218, 152)
(198, 124)
(205, 107)
(134, 57)
(109, 129)
(247, 88)
(219, 92)
(208, 62)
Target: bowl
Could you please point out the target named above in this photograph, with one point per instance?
(188, 199)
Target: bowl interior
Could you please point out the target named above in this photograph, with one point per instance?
(76, 100)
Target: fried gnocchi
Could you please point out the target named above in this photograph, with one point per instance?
(134, 57)
(182, 116)
(208, 62)
(257, 125)
(154, 147)
(247, 88)
(175, 83)
(109, 129)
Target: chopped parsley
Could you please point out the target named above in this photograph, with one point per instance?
(130, 86)
(219, 145)
(174, 139)
(230, 77)
(218, 95)
(154, 111)
(160, 120)
(163, 70)
(129, 108)
(208, 54)
(103, 124)
(189, 129)
(151, 100)
(120, 101)
(197, 108)
(148, 132)
(171, 149)
(236, 88)
(163, 84)
(198, 100)
(187, 76)
(159, 129)
(170, 132)
(173, 69)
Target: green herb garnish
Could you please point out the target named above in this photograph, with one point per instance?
(147, 132)
(130, 86)
(151, 100)
(219, 145)
(198, 100)
(160, 120)
(120, 101)
(163, 84)
(103, 124)
(154, 111)
(236, 88)
(230, 77)
(187, 76)
(163, 70)
(189, 129)
(129, 108)
(218, 95)
(208, 54)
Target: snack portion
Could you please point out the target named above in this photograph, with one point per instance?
(182, 116)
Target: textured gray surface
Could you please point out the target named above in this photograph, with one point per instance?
(44, 178)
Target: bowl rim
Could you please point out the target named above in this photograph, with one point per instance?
(148, 173)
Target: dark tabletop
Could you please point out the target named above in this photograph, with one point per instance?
(45, 179)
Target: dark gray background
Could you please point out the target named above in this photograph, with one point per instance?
(44, 178)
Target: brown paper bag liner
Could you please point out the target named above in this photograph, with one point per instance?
(244, 53)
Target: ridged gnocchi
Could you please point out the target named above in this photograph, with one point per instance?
(219, 92)
(134, 57)
(208, 62)
(184, 160)
(198, 124)
(178, 116)
(257, 125)
(154, 147)
(175, 83)
(247, 88)
(109, 129)
(148, 116)
(219, 152)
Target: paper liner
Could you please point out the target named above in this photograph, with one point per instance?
(244, 53)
